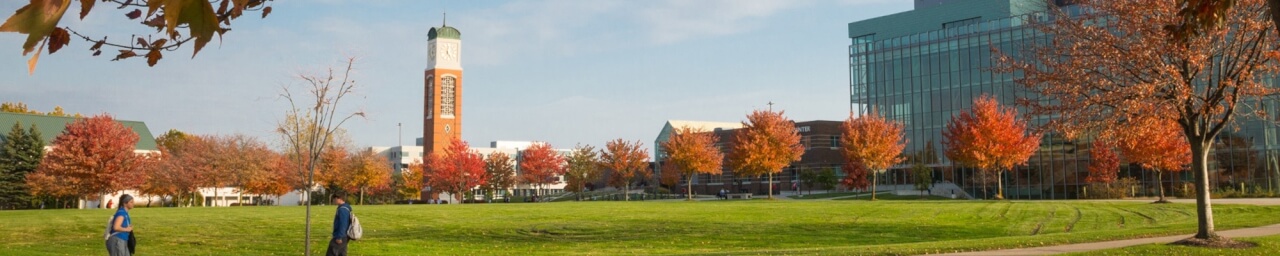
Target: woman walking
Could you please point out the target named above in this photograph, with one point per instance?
(120, 228)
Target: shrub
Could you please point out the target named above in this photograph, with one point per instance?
(1113, 190)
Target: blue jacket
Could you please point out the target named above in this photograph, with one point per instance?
(341, 221)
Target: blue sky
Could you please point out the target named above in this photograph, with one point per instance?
(561, 71)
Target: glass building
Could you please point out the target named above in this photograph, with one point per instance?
(923, 66)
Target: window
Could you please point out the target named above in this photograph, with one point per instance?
(430, 96)
(448, 94)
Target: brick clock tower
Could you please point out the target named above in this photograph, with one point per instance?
(443, 116)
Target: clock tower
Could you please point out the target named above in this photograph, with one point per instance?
(443, 115)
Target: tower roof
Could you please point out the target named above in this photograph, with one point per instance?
(444, 31)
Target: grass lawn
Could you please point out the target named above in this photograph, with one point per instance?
(826, 195)
(1267, 245)
(897, 197)
(734, 227)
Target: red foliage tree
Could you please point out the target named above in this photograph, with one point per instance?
(626, 160)
(1104, 163)
(457, 171)
(93, 156)
(767, 142)
(1156, 143)
(855, 176)
(693, 151)
(1134, 68)
(540, 165)
(873, 142)
(990, 138)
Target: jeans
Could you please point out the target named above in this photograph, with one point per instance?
(337, 249)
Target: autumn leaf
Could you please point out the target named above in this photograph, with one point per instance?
(265, 11)
(125, 54)
(198, 15)
(85, 6)
(37, 20)
(58, 39)
(134, 14)
(153, 56)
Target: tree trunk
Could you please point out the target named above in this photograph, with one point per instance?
(626, 192)
(875, 176)
(1159, 181)
(689, 187)
(1204, 208)
(361, 196)
(1000, 185)
(770, 184)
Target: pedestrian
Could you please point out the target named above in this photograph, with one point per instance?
(341, 222)
(120, 228)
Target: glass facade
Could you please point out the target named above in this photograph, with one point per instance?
(922, 78)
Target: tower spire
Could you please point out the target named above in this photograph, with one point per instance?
(444, 21)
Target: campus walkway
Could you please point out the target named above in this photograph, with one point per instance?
(1085, 247)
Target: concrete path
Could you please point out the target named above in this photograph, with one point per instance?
(1085, 247)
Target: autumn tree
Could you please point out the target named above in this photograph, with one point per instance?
(184, 163)
(540, 165)
(501, 171)
(369, 174)
(582, 167)
(40, 18)
(766, 143)
(625, 160)
(1104, 163)
(923, 176)
(21, 108)
(241, 161)
(990, 138)
(1134, 68)
(874, 142)
(20, 154)
(693, 151)
(334, 169)
(669, 176)
(1155, 143)
(410, 184)
(311, 123)
(458, 170)
(91, 157)
(855, 176)
(276, 179)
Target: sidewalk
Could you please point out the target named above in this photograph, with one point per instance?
(1085, 247)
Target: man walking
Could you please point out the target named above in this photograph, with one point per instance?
(341, 222)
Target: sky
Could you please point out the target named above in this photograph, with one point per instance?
(565, 72)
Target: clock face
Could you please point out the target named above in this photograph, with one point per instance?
(450, 52)
(431, 50)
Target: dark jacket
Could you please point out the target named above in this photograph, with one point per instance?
(342, 221)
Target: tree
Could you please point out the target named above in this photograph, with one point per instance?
(1155, 143)
(242, 161)
(990, 138)
(855, 176)
(583, 166)
(21, 108)
(923, 177)
(311, 122)
(626, 160)
(1134, 69)
(1200, 15)
(92, 156)
(540, 165)
(501, 172)
(1103, 163)
(692, 152)
(669, 177)
(874, 142)
(410, 185)
(767, 142)
(39, 21)
(369, 174)
(457, 171)
(826, 178)
(20, 154)
(184, 163)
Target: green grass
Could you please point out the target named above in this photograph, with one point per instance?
(826, 195)
(896, 197)
(734, 227)
(1267, 245)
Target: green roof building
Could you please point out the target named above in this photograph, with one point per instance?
(51, 126)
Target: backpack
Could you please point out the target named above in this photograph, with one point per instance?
(354, 231)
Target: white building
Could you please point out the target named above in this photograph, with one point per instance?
(400, 157)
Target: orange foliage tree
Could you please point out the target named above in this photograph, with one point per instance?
(582, 167)
(1134, 68)
(93, 156)
(500, 170)
(539, 166)
(627, 160)
(1155, 143)
(990, 138)
(457, 171)
(184, 163)
(767, 142)
(874, 142)
(409, 187)
(369, 174)
(1104, 163)
(691, 152)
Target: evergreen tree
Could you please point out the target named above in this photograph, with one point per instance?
(20, 154)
